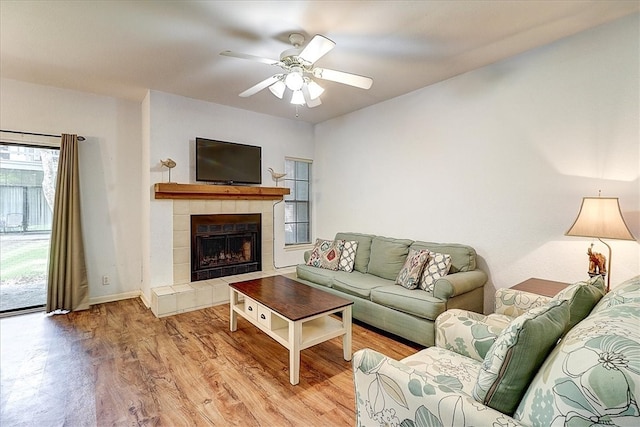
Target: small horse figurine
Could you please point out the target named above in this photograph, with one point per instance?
(597, 262)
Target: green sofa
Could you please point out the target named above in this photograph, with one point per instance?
(378, 301)
(486, 373)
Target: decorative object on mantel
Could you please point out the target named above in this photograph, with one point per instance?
(170, 164)
(276, 175)
(600, 217)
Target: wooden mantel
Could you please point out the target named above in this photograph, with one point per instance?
(172, 190)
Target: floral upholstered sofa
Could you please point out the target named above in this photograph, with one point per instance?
(502, 371)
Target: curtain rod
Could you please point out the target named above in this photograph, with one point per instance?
(80, 138)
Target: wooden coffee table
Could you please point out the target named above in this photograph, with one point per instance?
(295, 315)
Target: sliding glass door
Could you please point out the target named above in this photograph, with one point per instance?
(27, 190)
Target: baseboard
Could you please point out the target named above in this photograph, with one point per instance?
(144, 299)
(117, 297)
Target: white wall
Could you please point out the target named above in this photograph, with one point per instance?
(497, 158)
(174, 123)
(109, 169)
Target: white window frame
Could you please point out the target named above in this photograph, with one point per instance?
(290, 182)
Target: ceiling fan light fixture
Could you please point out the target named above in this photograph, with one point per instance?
(297, 97)
(294, 80)
(278, 88)
(299, 72)
(315, 90)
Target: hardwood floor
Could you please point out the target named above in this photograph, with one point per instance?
(118, 365)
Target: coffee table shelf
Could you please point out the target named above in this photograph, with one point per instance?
(314, 331)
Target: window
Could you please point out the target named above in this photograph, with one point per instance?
(297, 223)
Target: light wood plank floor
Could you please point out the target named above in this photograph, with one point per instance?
(118, 365)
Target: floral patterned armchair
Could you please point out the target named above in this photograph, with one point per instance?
(486, 372)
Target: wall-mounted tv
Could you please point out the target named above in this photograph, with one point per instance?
(228, 162)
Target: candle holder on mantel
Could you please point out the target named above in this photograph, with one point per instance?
(170, 164)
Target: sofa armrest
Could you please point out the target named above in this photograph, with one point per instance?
(513, 303)
(458, 283)
(388, 392)
(465, 332)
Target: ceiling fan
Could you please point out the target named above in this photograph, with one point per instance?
(299, 71)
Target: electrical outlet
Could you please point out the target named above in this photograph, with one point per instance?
(105, 280)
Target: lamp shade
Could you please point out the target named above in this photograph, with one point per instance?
(600, 217)
(297, 97)
(278, 88)
(314, 89)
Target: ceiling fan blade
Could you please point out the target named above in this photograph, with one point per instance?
(251, 57)
(307, 98)
(316, 49)
(258, 87)
(345, 78)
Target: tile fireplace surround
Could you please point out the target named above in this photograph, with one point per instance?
(185, 295)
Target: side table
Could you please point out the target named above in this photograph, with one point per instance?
(548, 288)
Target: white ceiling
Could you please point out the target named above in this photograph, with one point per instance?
(123, 48)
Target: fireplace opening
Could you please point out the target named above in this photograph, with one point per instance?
(225, 245)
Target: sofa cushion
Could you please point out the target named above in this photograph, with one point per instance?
(318, 275)
(359, 284)
(463, 258)
(438, 266)
(498, 320)
(364, 249)
(388, 256)
(466, 333)
(582, 297)
(411, 271)
(513, 302)
(348, 255)
(326, 254)
(411, 301)
(517, 354)
(390, 393)
(592, 376)
(447, 368)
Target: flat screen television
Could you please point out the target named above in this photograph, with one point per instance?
(228, 162)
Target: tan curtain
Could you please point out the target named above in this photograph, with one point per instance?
(68, 288)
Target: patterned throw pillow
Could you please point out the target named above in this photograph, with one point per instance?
(437, 267)
(326, 254)
(409, 276)
(517, 354)
(348, 256)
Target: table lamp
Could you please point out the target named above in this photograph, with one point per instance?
(600, 217)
